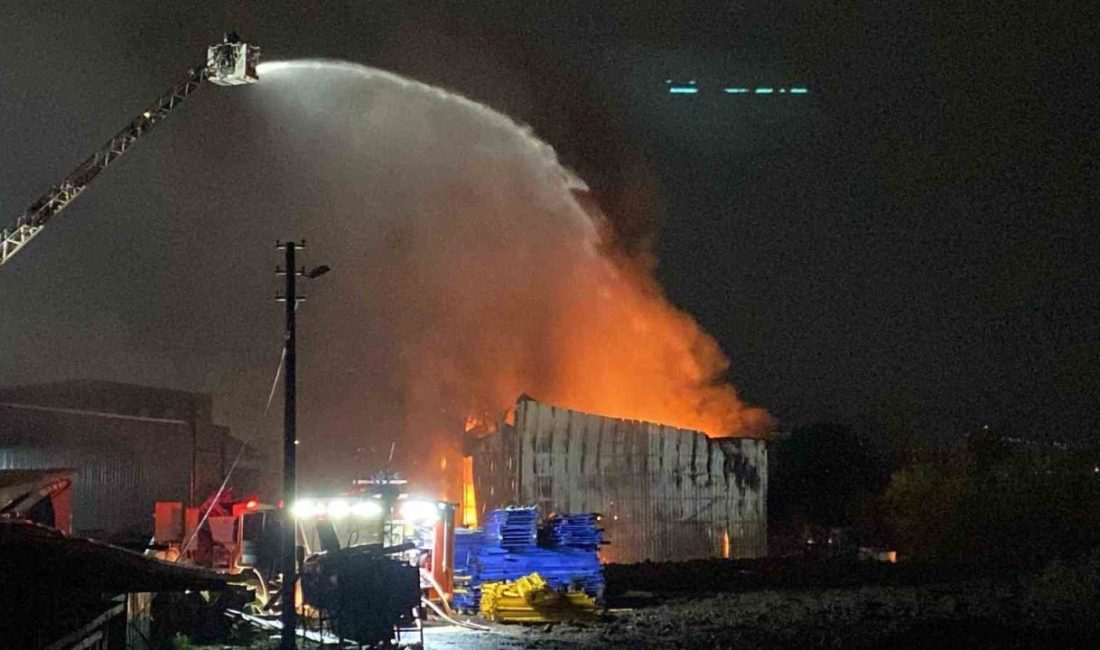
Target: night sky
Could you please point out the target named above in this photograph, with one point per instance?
(910, 248)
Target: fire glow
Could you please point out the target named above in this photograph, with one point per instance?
(481, 270)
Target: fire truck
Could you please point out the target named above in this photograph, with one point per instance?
(240, 535)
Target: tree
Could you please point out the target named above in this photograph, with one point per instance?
(923, 509)
(821, 475)
(1014, 504)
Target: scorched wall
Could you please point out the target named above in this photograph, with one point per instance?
(664, 493)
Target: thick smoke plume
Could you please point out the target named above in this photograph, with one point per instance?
(466, 271)
(478, 268)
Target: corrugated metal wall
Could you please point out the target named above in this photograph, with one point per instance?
(123, 465)
(665, 493)
(112, 492)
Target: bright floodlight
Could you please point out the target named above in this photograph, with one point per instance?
(367, 509)
(303, 509)
(338, 509)
(419, 511)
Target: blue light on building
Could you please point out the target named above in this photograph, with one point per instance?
(692, 88)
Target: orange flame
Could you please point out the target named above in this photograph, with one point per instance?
(469, 500)
(639, 357)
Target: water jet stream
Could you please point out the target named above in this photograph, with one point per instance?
(486, 276)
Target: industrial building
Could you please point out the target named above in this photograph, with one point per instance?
(128, 447)
(663, 493)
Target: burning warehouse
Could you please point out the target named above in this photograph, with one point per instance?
(664, 493)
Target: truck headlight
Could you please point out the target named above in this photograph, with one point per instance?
(338, 509)
(303, 509)
(367, 509)
(419, 511)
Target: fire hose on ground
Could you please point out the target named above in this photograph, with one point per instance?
(448, 615)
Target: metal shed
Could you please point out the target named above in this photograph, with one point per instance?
(129, 446)
(664, 493)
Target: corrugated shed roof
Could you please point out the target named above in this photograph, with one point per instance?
(38, 559)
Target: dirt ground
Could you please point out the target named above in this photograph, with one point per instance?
(780, 604)
(969, 614)
(936, 616)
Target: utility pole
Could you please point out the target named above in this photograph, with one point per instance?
(289, 550)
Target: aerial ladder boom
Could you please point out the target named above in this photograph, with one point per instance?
(229, 63)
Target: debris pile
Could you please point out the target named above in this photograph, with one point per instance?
(530, 599)
(363, 593)
(563, 553)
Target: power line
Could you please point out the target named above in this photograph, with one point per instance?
(240, 454)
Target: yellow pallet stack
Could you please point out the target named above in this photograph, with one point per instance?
(530, 600)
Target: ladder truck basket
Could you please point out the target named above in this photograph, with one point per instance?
(232, 62)
(229, 63)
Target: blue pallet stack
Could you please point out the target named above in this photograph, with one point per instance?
(563, 552)
(572, 531)
(468, 544)
(512, 528)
